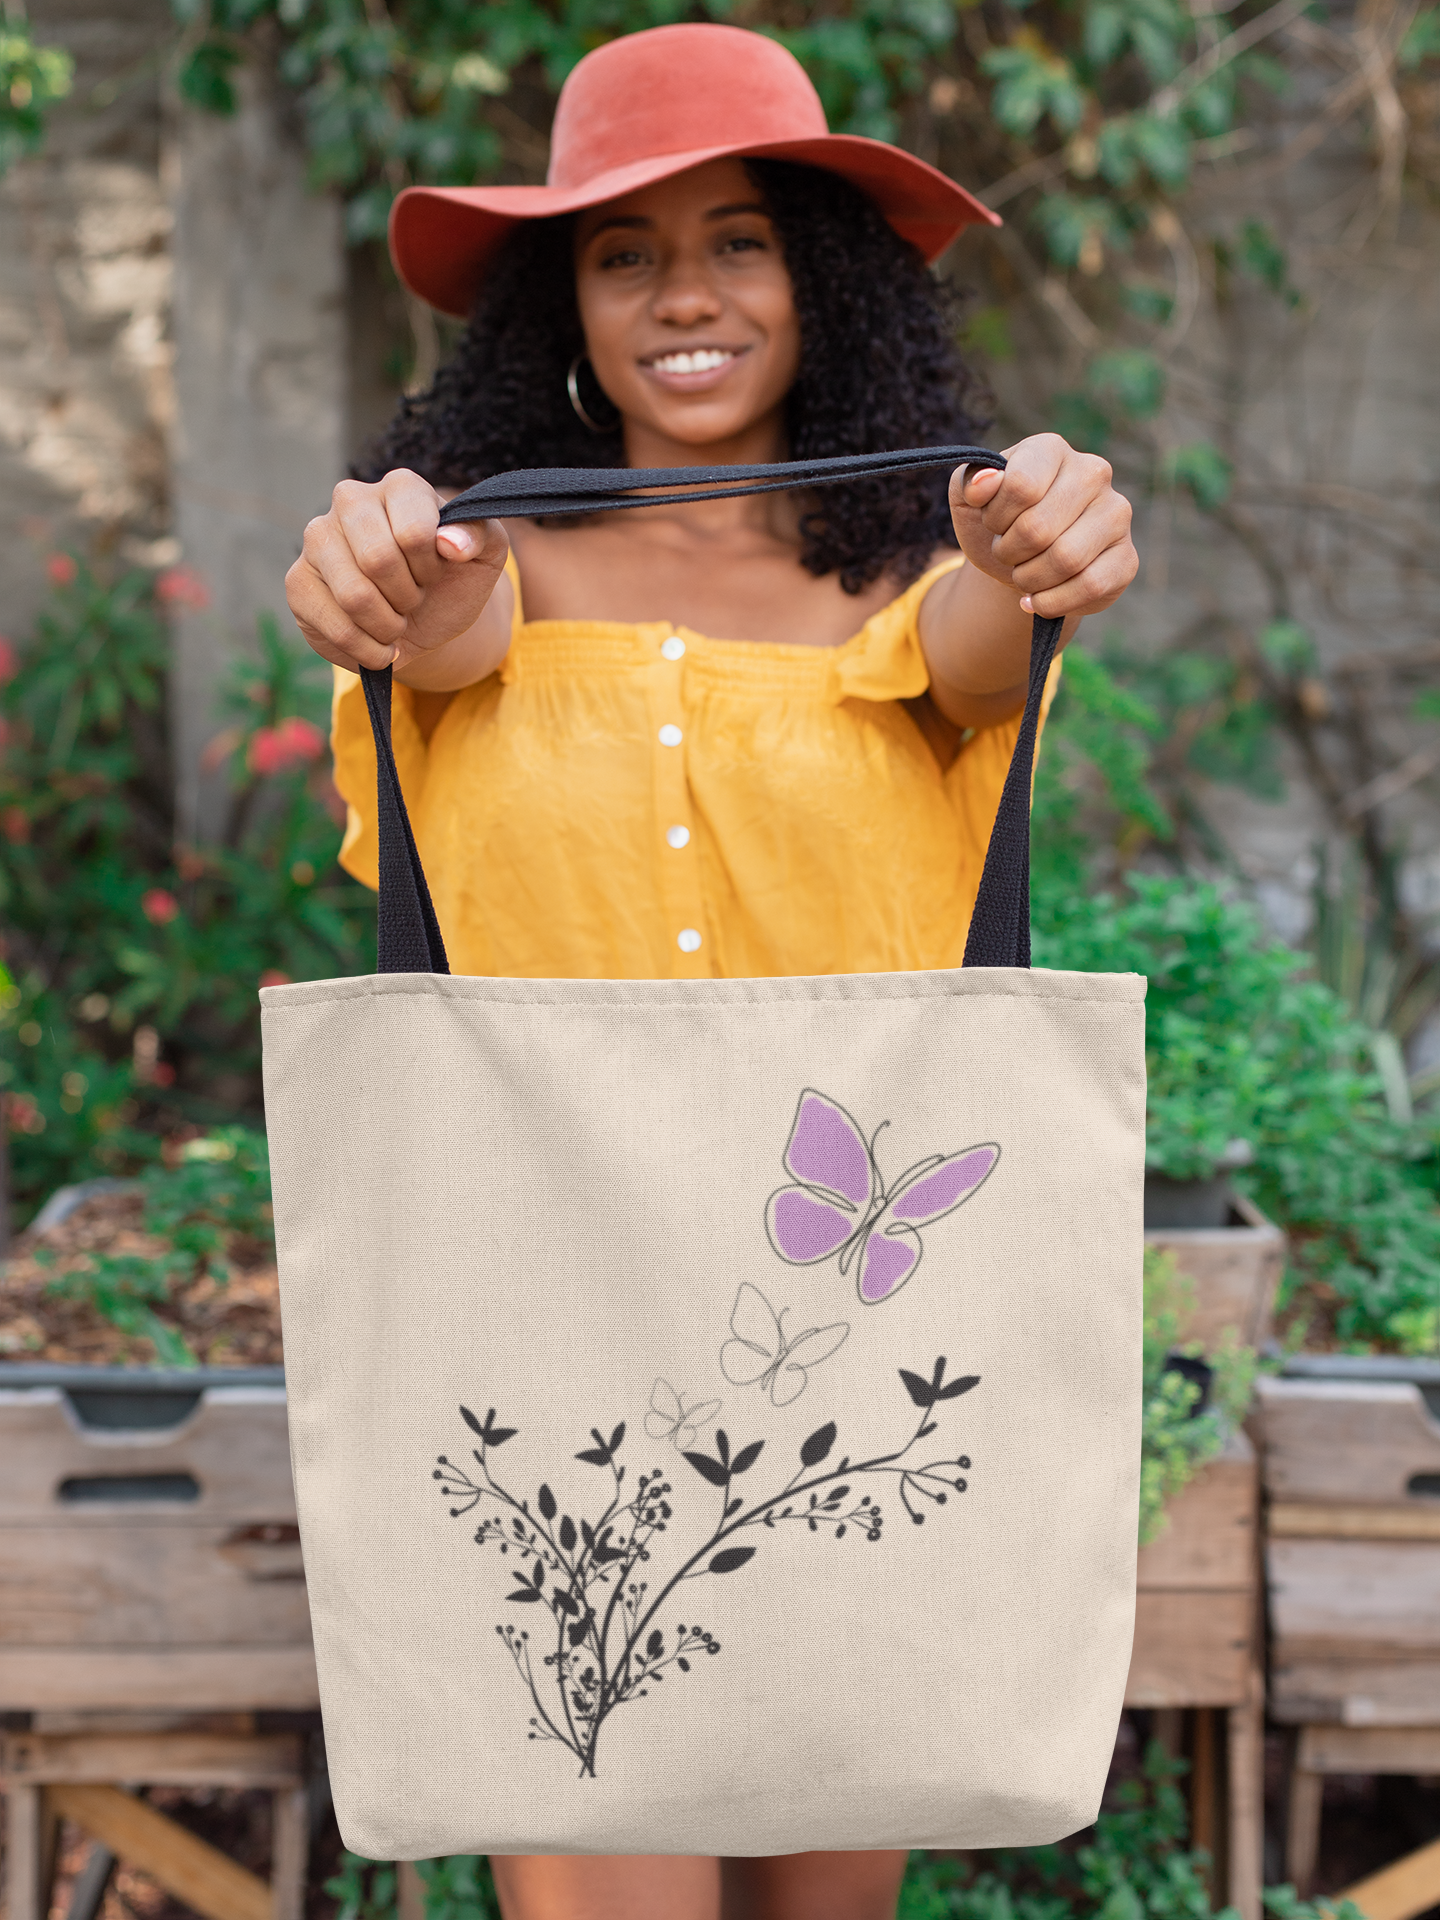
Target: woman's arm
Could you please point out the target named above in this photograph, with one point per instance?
(1051, 536)
(379, 583)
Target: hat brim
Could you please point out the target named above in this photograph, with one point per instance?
(442, 237)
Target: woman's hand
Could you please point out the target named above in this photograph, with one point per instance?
(1050, 526)
(379, 582)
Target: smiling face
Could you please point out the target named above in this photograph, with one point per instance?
(689, 317)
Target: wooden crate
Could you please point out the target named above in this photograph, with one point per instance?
(1196, 1592)
(151, 1569)
(1196, 1647)
(1234, 1272)
(1352, 1469)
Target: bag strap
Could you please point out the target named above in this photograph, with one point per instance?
(409, 933)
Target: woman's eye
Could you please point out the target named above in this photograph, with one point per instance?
(624, 257)
(742, 243)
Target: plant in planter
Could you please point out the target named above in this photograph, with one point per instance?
(1242, 1047)
(1191, 1406)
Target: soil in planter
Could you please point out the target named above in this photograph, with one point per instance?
(230, 1324)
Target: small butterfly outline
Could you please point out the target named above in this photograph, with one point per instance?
(762, 1351)
(838, 1202)
(670, 1419)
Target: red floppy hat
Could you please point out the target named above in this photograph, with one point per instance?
(650, 105)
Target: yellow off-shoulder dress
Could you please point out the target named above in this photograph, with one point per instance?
(644, 802)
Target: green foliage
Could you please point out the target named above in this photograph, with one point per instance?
(217, 1190)
(1241, 1047)
(135, 961)
(1422, 39)
(32, 79)
(1204, 470)
(456, 1888)
(1176, 1441)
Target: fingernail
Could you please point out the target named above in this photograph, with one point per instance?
(457, 538)
(1027, 605)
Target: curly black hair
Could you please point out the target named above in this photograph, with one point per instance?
(879, 369)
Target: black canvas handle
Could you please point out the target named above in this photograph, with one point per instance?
(999, 934)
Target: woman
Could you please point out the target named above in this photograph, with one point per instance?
(761, 735)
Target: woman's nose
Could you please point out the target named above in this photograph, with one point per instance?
(686, 297)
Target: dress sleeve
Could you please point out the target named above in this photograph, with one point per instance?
(353, 748)
(885, 661)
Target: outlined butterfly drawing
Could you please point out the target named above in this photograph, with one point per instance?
(761, 1350)
(670, 1419)
(840, 1204)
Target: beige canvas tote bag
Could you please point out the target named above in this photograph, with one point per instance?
(714, 1404)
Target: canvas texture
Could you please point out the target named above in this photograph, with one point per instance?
(714, 1406)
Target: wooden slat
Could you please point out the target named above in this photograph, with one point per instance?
(1369, 1750)
(190, 1869)
(236, 1445)
(1234, 1272)
(1347, 1442)
(1245, 1783)
(1356, 1693)
(187, 1678)
(1377, 1598)
(1191, 1649)
(158, 1759)
(1210, 1538)
(1399, 1891)
(144, 1585)
(1292, 1520)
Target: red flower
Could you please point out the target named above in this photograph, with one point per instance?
(61, 569)
(158, 906)
(162, 1074)
(293, 743)
(273, 977)
(22, 1115)
(9, 661)
(15, 825)
(182, 587)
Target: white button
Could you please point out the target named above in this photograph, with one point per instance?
(673, 648)
(688, 941)
(670, 736)
(677, 837)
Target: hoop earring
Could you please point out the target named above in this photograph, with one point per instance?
(572, 387)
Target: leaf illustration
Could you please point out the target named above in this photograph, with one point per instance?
(818, 1445)
(538, 1577)
(497, 1436)
(525, 1593)
(939, 1373)
(929, 1427)
(595, 1457)
(616, 1437)
(709, 1469)
(684, 1665)
(578, 1629)
(920, 1391)
(731, 1558)
(587, 1534)
(722, 1445)
(604, 1552)
(474, 1425)
(957, 1387)
(547, 1503)
(566, 1602)
(655, 1645)
(733, 1507)
(567, 1533)
(746, 1457)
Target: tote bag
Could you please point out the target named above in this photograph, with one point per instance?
(714, 1405)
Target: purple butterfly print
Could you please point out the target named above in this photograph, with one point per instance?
(840, 1204)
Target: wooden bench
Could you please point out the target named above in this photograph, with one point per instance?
(1352, 1471)
(1197, 1614)
(152, 1601)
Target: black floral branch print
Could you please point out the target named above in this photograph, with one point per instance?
(600, 1639)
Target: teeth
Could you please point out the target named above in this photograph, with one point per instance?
(703, 361)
